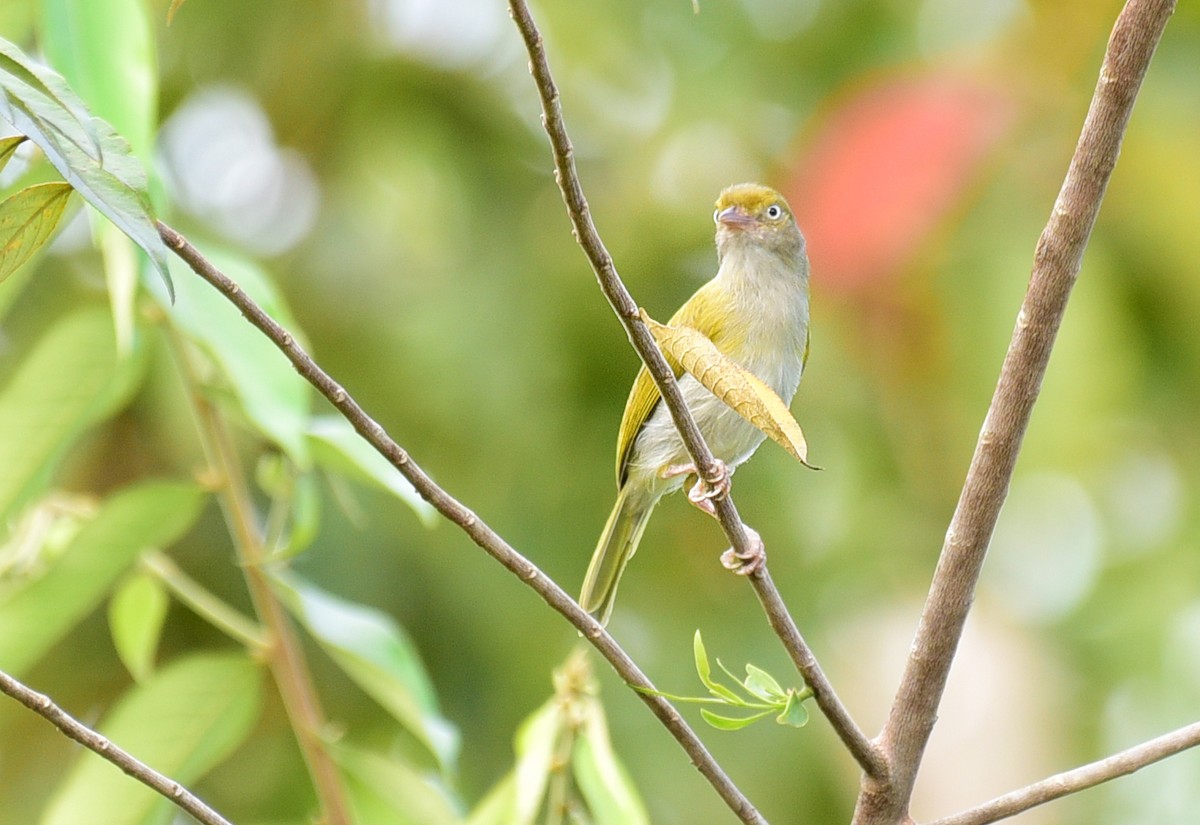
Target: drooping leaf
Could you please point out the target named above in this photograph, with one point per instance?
(272, 396)
(384, 788)
(27, 220)
(136, 614)
(378, 655)
(743, 391)
(68, 381)
(184, 721)
(730, 722)
(85, 150)
(37, 614)
(339, 448)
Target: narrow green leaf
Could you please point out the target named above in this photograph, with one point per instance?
(136, 614)
(730, 722)
(27, 220)
(268, 391)
(69, 380)
(611, 796)
(704, 670)
(763, 684)
(794, 712)
(8, 147)
(535, 742)
(337, 447)
(85, 150)
(383, 788)
(184, 721)
(34, 616)
(378, 655)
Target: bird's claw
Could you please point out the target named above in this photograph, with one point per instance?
(705, 491)
(749, 562)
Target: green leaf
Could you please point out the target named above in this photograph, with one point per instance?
(36, 615)
(535, 742)
(730, 722)
(27, 220)
(69, 380)
(704, 670)
(497, 805)
(184, 721)
(105, 51)
(610, 794)
(383, 788)
(8, 147)
(762, 684)
(378, 655)
(337, 447)
(136, 614)
(269, 392)
(794, 712)
(175, 6)
(85, 150)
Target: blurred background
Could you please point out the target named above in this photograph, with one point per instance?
(385, 161)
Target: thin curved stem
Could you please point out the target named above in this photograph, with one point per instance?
(1079, 779)
(471, 524)
(584, 229)
(103, 747)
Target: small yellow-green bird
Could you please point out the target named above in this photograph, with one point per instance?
(756, 312)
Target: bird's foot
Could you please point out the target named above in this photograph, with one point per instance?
(750, 562)
(705, 491)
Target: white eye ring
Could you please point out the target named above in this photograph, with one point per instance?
(716, 214)
(774, 212)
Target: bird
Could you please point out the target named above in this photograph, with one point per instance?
(756, 312)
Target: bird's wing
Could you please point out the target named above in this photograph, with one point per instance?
(697, 313)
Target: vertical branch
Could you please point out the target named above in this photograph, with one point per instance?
(1056, 267)
(283, 652)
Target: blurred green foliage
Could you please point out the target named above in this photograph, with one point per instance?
(384, 163)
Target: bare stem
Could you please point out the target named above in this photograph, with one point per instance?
(284, 653)
(471, 524)
(1055, 269)
(643, 342)
(180, 796)
(1079, 779)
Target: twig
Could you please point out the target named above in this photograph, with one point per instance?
(41, 704)
(284, 652)
(1055, 268)
(643, 342)
(1081, 778)
(471, 524)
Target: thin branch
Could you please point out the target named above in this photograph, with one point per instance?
(1079, 779)
(180, 796)
(204, 603)
(284, 653)
(1055, 269)
(471, 524)
(565, 173)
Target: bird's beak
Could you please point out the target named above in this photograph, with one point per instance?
(734, 218)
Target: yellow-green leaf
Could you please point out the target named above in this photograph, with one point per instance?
(175, 5)
(8, 146)
(27, 220)
(136, 614)
(743, 391)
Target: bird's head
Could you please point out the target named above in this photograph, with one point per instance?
(749, 214)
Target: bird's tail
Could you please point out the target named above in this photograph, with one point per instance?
(617, 545)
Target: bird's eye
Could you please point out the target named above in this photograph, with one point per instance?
(774, 212)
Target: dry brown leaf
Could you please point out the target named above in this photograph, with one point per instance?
(744, 392)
